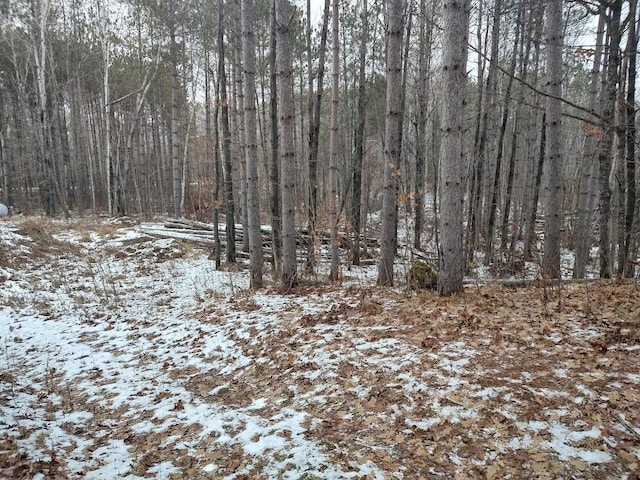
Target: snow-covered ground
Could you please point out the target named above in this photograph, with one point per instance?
(126, 357)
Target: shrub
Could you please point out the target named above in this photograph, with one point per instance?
(422, 276)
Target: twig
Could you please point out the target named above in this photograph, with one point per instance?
(629, 426)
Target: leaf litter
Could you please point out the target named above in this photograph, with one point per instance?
(128, 357)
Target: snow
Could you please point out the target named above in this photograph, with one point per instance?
(126, 357)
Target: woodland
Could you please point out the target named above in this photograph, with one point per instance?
(494, 132)
(254, 239)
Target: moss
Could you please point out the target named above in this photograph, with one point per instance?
(422, 276)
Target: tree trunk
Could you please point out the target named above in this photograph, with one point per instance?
(609, 93)
(454, 55)
(424, 55)
(230, 229)
(175, 147)
(47, 186)
(333, 147)
(314, 108)
(626, 265)
(493, 207)
(284, 20)
(251, 144)
(488, 110)
(592, 136)
(391, 165)
(217, 252)
(274, 172)
(476, 169)
(554, 193)
(356, 207)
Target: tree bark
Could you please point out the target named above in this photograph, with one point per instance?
(314, 107)
(47, 186)
(391, 165)
(454, 55)
(333, 146)
(609, 93)
(274, 171)
(284, 19)
(626, 265)
(424, 55)
(356, 207)
(175, 147)
(251, 145)
(554, 192)
(493, 207)
(589, 151)
(230, 229)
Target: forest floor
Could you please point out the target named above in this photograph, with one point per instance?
(127, 357)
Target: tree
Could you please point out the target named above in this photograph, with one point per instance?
(175, 94)
(274, 171)
(424, 63)
(41, 50)
(356, 207)
(314, 109)
(493, 205)
(251, 144)
(631, 51)
(609, 94)
(592, 133)
(333, 147)
(553, 186)
(454, 55)
(230, 228)
(391, 156)
(284, 19)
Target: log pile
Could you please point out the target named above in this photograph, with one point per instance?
(202, 234)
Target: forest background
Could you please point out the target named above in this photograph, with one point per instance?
(478, 123)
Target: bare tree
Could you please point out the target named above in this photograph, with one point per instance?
(631, 51)
(251, 144)
(274, 170)
(175, 94)
(284, 26)
(226, 141)
(424, 55)
(454, 55)
(356, 207)
(587, 192)
(609, 96)
(333, 145)
(391, 166)
(553, 186)
(314, 104)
